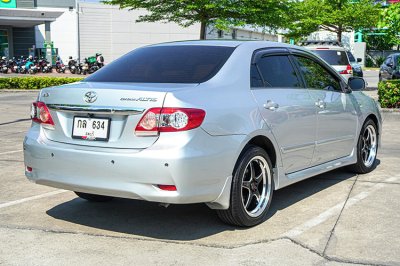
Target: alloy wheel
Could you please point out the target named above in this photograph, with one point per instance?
(369, 145)
(256, 186)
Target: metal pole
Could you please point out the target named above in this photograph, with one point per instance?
(78, 31)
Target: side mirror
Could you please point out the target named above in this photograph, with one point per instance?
(359, 60)
(356, 83)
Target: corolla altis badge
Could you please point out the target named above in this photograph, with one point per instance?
(90, 97)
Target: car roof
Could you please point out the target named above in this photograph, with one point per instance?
(231, 43)
(326, 47)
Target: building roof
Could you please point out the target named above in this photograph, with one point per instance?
(18, 17)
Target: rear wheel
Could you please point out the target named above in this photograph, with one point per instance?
(251, 191)
(93, 197)
(367, 148)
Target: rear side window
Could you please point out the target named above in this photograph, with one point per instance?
(351, 57)
(278, 71)
(333, 57)
(166, 64)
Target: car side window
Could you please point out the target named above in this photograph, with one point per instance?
(316, 76)
(388, 60)
(255, 78)
(278, 72)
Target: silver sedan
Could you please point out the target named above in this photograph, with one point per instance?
(218, 122)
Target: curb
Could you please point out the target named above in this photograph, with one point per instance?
(390, 110)
(9, 90)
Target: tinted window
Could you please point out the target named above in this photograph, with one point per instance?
(255, 78)
(388, 60)
(351, 57)
(166, 64)
(277, 71)
(316, 76)
(333, 57)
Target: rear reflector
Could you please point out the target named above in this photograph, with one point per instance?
(167, 187)
(157, 120)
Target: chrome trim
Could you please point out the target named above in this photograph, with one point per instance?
(334, 140)
(96, 109)
(297, 147)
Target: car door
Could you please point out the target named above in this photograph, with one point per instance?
(286, 106)
(336, 114)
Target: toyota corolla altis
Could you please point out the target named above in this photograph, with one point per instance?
(218, 122)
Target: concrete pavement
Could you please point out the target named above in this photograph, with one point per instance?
(336, 218)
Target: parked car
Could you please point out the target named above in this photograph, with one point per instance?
(221, 123)
(334, 54)
(390, 69)
(357, 69)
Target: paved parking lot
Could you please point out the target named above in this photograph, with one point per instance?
(333, 219)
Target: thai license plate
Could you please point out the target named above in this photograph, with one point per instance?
(91, 128)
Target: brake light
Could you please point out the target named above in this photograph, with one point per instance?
(41, 114)
(348, 70)
(157, 120)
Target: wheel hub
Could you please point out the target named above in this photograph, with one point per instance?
(256, 186)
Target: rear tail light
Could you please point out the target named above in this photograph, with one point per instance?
(28, 169)
(157, 120)
(41, 114)
(347, 71)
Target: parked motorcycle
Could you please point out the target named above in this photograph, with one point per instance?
(13, 65)
(60, 67)
(44, 66)
(72, 65)
(30, 66)
(83, 67)
(4, 65)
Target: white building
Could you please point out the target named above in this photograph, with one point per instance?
(81, 29)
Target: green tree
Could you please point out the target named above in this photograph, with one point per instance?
(390, 21)
(337, 16)
(221, 13)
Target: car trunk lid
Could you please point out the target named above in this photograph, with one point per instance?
(119, 106)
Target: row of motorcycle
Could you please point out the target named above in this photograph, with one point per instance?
(33, 65)
(88, 66)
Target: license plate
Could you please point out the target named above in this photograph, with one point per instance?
(91, 128)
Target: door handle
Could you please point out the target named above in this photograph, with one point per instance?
(271, 105)
(320, 104)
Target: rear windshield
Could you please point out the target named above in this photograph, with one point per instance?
(165, 64)
(333, 57)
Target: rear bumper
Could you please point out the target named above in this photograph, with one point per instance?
(199, 165)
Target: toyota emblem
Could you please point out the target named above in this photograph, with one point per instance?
(90, 97)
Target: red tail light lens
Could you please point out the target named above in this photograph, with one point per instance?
(167, 187)
(348, 70)
(41, 114)
(157, 120)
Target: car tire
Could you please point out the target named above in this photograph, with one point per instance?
(93, 197)
(251, 190)
(367, 148)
